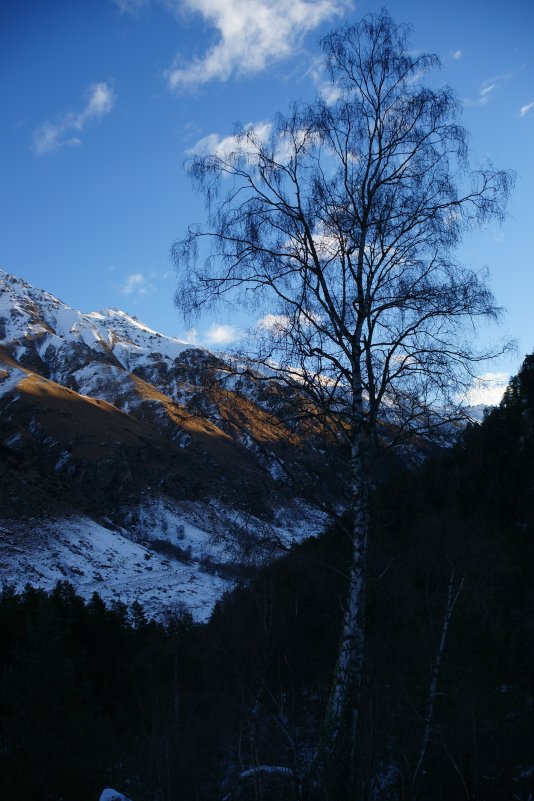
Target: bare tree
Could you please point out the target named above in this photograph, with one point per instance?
(340, 223)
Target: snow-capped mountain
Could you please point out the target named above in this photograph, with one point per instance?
(136, 464)
(29, 312)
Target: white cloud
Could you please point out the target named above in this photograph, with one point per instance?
(275, 323)
(279, 325)
(487, 389)
(252, 35)
(213, 144)
(217, 335)
(326, 245)
(220, 334)
(456, 54)
(247, 147)
(51, 136)
(525, 109)
(135, 283)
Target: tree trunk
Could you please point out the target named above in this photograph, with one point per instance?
(347, 677)
(339, 754)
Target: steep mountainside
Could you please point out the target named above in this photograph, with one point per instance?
(106, 421)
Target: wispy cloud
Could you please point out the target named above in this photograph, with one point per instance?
(135, 284)
(51, 136)
(487, 389)
(525, 109)
(324, 86)
(456, 54)
(487, 89)
(252, 35)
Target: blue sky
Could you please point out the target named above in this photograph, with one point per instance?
(102, 99)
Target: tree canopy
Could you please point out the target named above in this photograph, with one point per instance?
(340, 221)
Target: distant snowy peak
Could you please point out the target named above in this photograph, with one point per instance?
(27, 313)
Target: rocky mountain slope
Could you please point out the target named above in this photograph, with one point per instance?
(137, 464)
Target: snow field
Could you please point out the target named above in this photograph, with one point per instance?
(95, 558)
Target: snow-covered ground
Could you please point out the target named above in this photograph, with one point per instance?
(95, 558)
(162, 557)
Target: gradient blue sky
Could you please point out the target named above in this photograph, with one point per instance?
(101, 99)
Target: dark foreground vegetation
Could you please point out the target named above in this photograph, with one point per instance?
(93, 697)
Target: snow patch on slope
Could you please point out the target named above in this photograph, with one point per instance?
(9, 382)
(212, 532)
(99, 559)
(164, 555)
